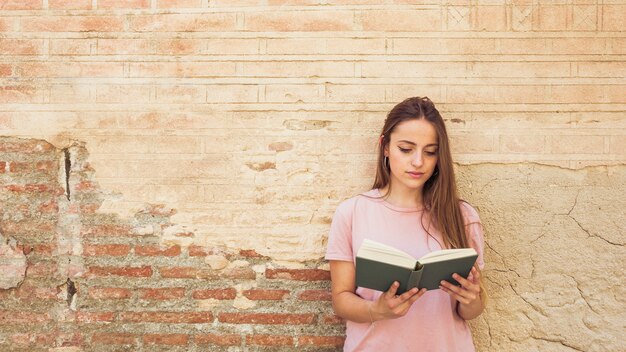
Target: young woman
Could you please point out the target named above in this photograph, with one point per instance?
(412, 206)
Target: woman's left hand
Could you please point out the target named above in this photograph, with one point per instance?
(469, 291)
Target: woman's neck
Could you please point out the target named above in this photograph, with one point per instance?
(403, 198)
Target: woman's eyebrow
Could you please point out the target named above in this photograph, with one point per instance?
(413, 143)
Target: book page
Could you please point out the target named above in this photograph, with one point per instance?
(382, 253)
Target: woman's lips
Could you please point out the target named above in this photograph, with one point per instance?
(415, 174)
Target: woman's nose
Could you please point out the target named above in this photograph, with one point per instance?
(417, 161)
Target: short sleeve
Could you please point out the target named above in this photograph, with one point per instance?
(474, 231)
(340, 235)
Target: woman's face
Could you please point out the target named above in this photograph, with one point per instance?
(412, 153)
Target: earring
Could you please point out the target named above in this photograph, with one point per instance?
(385, 162)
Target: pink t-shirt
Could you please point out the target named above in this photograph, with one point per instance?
(431, 323)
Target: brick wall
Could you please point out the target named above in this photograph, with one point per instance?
(249, 121)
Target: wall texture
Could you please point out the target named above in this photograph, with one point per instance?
(169, 168)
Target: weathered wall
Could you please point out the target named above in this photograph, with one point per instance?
(252, 120)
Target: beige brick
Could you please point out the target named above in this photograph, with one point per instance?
(519, 69)
(173, 4)
(474, 144)
(183, 69)
(181, 94)
(470, 94)
(529, 46)
(522, 144)
(581, 46)
(72, 24)
(613, 17)
(76, 69)
(124, 46)
(601, 69)
(618, 144)
(579, 94)
(70, 4)
(65, 93)
(356, 46)
(294, 93)
(181, 46)
(449, 46)
(552, 18)
(232, 46)
(401, 92)
(232, 93)
(140, 144)
(298, 69)
(6, 24)
(618, 46)
(13, 94)
(351, 93)
(574, 144)
(124, 93)
(584, 18)
(491, 18)
(123, 4)
(302, 46)
(71, 46)
(307, 21)
(20, 4)
(206, 22)
(21, 46)
(615, 93)
(413, 69)
(402, 21)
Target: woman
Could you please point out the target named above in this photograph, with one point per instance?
(413, 206)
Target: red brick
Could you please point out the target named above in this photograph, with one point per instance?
(43, 269)
(21, 94)
(106, 249)
(111, 338)
(220, 293)
(260, 294)
(198, 251)
(21, 4)
(187, 273)
(8, 317)
(157, 251)
(239, 273)
(123, 4)
(332, 319)
(89, 317)
(269, 340)
(218, 339)
(85, 186)
(45, 339)
(98, 271)
(28, 292)
(166, 317)
(46, 166)
(16, 166)
(315, 295)
(72, 24)
(3, 166)
(298, 274)
(109, 293)
(6, 70)
(49, 207)
(44, 249)
(162, 293)
(249, 253)
(166, 339)
(30, 147)
(266, 318)
(332, 341)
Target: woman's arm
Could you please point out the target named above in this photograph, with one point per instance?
(350, 306)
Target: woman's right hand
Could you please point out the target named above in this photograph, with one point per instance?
(391, 306)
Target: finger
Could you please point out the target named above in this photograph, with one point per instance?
(408, 294)
(455, 295)
(475, 274)
(391, 293)
(416, 296)
(460, 290)
(463, 281)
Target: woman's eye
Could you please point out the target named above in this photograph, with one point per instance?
(404, 150)
(430, 153)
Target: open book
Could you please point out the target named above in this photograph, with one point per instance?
(379, 265)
